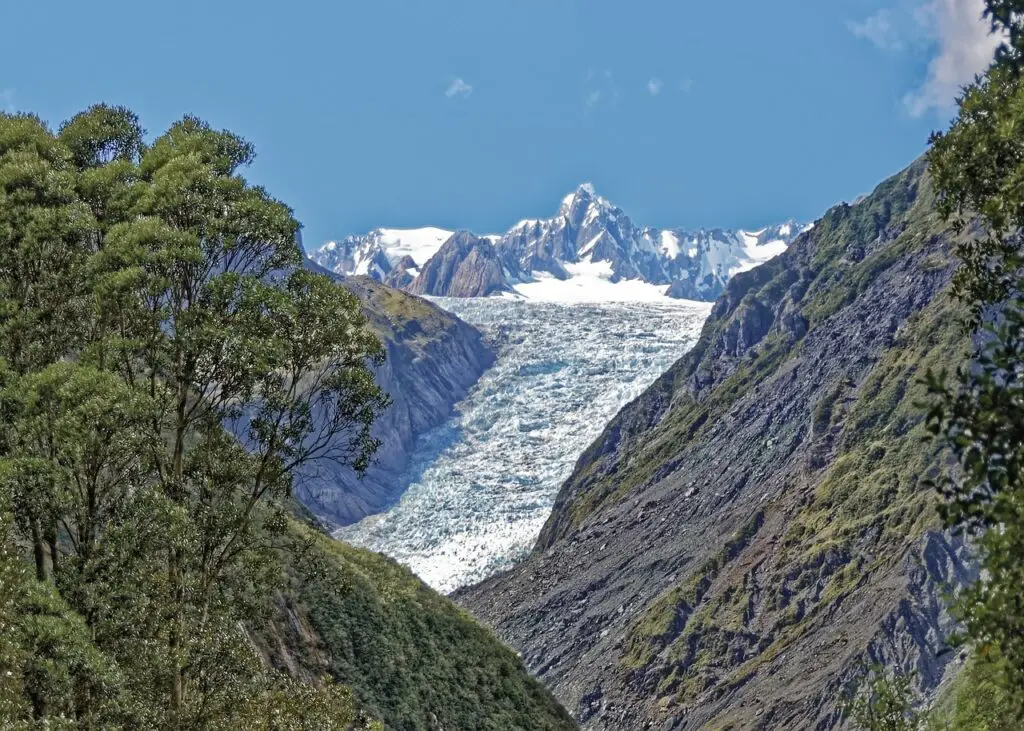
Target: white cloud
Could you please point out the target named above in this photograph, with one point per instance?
(458, 87)
(686, 86)
(964, 46)
(601, 89)
(654, 87)
(950, 33)
(7, 100)
(880, 29)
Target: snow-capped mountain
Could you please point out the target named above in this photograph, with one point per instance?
(383, 252)
(588, 246)
(702, 261)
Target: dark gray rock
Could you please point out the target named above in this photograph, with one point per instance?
(465, 266)
(402, 273)
(433, 358)
(751, 529)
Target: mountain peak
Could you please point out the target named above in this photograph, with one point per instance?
(587, 229)
(581, 199)
(583, 191)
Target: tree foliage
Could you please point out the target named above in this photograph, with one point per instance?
(981, 417)
(1007, 16)
(978, 166)
(166, 365)
(884, 703)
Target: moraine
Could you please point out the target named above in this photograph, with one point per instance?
(482, 485)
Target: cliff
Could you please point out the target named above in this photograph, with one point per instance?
(465, 266)
(433, 358)
(748, 531)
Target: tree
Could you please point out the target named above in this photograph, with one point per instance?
(76, 437)
(254, 366)
(12, 580)
(884, 703)
(981, 418)
(168, 365)
(978, 169)
(1007, 16)
(44, 234)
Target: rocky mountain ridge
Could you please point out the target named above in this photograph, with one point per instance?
(433, 358)
(752, 529)
(464, 266)
(587, 236)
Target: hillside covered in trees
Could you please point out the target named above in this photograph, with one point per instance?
(167, 367)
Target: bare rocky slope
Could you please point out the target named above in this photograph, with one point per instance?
(465, 266)
(753, 527)
(433, 358)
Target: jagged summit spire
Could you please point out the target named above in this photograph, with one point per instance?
(584, 195)
(589, 236)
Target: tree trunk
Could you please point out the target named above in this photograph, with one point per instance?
(51, 541)
(39, 550)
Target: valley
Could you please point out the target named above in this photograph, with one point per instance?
(647, 495)
(752, 529)
(481, 485)
(398, 426)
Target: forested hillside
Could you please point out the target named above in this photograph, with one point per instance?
(168, 367)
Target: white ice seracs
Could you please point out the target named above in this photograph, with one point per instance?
(482, 485)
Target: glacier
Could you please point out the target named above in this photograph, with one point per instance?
(481, 486)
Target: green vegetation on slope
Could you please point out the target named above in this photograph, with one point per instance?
(167, 365)
(869, 501)
(846, 506)
(977, 699)
(830, 280)
(392, 312)
(412, 658)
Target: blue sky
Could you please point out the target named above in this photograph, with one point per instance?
(477, 113)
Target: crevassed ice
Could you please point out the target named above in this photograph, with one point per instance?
(482, 485)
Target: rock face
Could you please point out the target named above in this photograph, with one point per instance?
(587, 234)
(402, 273)
(752, 527)
(432, 360)
(465, 266)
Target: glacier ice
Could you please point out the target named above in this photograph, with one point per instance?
(482, 485)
